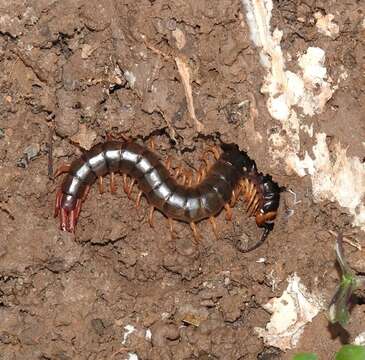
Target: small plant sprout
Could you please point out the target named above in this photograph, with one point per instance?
(305, 356)
(338, 311)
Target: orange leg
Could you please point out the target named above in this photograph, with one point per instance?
(151, 144)
(252, 198)
(171, 226)
(229, 212)
(101, 184)
(235, 196)
(150, 217)
(178, 172)
(63, 168)
(195, 232)
(125, 183)
(138, 200)
(189, 179)
(255, 206)
(214, 150)
(201, 174)
(113, 186)
(129, 192)
(168, 163)
(214, 226)
(206, 160)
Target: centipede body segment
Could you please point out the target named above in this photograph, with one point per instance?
(232, 175)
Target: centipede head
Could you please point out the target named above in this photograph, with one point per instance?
(239, 159)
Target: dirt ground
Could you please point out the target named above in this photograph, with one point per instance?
(73, 71)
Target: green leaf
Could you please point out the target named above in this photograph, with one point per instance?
(351, 352)
(305, 356)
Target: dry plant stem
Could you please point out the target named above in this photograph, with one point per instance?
(185, 77)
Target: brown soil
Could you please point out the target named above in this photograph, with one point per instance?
(65, 65)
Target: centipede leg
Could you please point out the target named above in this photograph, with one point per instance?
(63, 220)
(113, 186)
(228, 212)
(177, 173)
(101, 184)
(125, 183)
(150, 217)
(72, 221)
(86, 193)
(78, 208)
(171, 226)
(251, 201)
(151, 144)
(63, 168)
(254, 206)
(214, 226)
(129, 192)
(214, 150)
(233, 199)
(168, 163)
(138, 200)
(58, 203)
(201, 174)
(189, 179)
(195, 231)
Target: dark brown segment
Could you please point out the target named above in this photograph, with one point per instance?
(220, 186)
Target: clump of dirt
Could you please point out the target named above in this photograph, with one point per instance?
(73, 71)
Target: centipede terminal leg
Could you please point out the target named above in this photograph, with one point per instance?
(77, 209)
(86, 192)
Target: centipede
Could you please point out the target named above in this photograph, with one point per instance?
(218, 186)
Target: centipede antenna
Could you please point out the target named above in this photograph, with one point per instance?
(262, 239)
